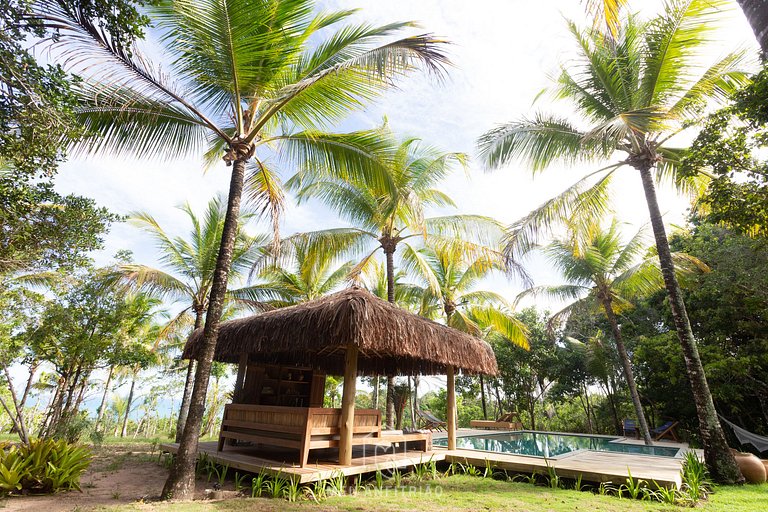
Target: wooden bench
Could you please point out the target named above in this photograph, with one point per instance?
(304, 428)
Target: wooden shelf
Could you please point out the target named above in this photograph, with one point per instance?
(284, 385)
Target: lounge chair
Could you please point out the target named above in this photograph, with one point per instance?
(508, 421)
(630, 429)
(429, 421)
(668, 429)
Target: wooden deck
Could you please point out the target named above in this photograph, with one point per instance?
(592, 466)
(322, 463)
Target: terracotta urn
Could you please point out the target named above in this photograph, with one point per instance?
(751, 467)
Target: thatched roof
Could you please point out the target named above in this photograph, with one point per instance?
(391, 341)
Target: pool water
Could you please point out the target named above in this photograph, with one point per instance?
(543, 444)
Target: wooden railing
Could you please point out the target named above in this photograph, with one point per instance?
(302, 428)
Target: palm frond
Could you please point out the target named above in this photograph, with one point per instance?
(580, 204)
(505, 324)
(539, 143)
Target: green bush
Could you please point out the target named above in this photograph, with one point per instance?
(43, 466)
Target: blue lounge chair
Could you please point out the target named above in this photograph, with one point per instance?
(668, 429)
(630, 428)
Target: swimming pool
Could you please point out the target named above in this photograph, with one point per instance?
(548, 444)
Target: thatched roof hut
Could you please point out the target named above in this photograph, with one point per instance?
(390, 340)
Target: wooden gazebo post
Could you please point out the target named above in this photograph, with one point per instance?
(347, 429)
(450, 413)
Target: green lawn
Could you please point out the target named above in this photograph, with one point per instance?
(466, 493)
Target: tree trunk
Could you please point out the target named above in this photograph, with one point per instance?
(718, 456)
(185, 398)
(626, 366)
(124, 430)
(415, 401)
(482, 398)
(181, 480)
(18, 421)
(532, 412)
(188, 383)
(390, 257)
(390, 412)
(375, 398)
(756, 12)
(100, 411)
(28, 386)
(587, 409)
(610, 390)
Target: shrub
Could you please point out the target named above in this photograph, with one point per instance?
(43, 466)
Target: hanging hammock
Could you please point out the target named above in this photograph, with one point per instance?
(760, 443)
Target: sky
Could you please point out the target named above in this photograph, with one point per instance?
(503, 52)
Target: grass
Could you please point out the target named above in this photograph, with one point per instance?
(460, 493)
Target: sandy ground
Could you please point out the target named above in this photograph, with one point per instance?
(116, 476)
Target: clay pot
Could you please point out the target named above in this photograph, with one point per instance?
(751, 467)
(765, 463)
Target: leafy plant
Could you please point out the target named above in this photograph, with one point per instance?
(276, 487)
(553, 479)
(695, 476)
(43, 466)
(318, 491)
(378, 480)
(397, 478)
(470, 469)
(337, 484)
(221, 473)
(668, 495)
(529, 479)
(454, 469)
(292, 490)
(420, 472)
(606, 489)
(578, 486)
(257, 485)
(202, 464)
(434, 474)
(239, 479)
(13, 469)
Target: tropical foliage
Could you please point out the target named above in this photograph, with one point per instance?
(90, 351)
(634, 93)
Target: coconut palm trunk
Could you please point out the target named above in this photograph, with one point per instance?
(716, 452)
(124, 429)
(756, 12)
(626, 366)
(100, 410)
(482, 398)
(181, 481)
(188, 383)
(390, 411)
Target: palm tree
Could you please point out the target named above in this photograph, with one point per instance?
(603, 274)
(304, 270)
(635, 93)
(450, 278)
(187, 273)
(407, 295)
(387, 214)
(246, 82)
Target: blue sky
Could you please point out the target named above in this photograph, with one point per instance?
(503, 52)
